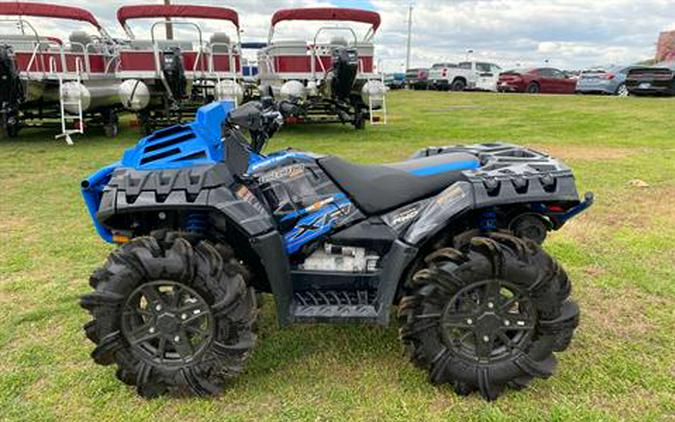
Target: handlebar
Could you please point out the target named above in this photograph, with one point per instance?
(261, 118)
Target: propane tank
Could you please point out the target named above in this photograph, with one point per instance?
(72, 92)
(375, 90)
(312, 89)
(292, 90)
(229, 90)
(97, 94)
(134, 94)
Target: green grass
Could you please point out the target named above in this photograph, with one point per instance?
(621, 256)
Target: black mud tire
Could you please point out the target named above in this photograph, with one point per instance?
(431, 316)
(532, 88)
(111, 126)
(111, 130)
(213, 277)
(458, 85)
(13, 130)
(9, 130)
(359, 121)
(145, 123)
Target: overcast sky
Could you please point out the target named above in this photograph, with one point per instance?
(568, 33)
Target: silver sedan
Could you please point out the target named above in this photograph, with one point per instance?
(610, 80)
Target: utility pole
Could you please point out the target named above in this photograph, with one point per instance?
(410, 11)
(169, 27)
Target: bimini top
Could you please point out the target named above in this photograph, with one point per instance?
(176, 10)
(43, 10)
(328, 14)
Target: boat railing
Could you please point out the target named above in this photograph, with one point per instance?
(49, 47)
(37, 58)
(110, 55)
(57, 54)
(315, 46)
(77, 48)
(113, 60)
(323, 68)
(53, 69)
(230, 56)
(268, 61)
(21, 26)
(78, 68)
(156, 50)
(198, 60)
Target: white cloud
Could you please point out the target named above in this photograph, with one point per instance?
(547, 47)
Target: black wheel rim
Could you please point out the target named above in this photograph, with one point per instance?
(167, 322)
(622, 91)
(488, 321)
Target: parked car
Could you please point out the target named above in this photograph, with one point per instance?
(537, 80)
(654, 80)
(394, 80)
(417, 78)
(438, 75)
(478, 76)
(610, 80)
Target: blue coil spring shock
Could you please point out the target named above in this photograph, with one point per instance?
(197, 222)
(488, 221)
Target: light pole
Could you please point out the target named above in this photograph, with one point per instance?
(410, 11)
(169, 27)
(469, 52)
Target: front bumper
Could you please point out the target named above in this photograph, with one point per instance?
(604, 87)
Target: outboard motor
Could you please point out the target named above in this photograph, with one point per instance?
(174, 72)
(345, 67)
(11, 92)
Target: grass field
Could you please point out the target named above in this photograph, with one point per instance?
(621, 256)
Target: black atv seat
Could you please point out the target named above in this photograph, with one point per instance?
(379, 188)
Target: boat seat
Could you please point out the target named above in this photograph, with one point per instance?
(376, 189)
(162, 44)
(290, 47)
(79, 41)
(220, 43)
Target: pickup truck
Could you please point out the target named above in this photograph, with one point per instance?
(417, 78)
(478, 76)
(438, 75)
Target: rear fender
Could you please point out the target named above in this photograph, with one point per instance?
(453, 201)
(434, 216)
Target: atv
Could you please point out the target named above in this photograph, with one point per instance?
(205, 221)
